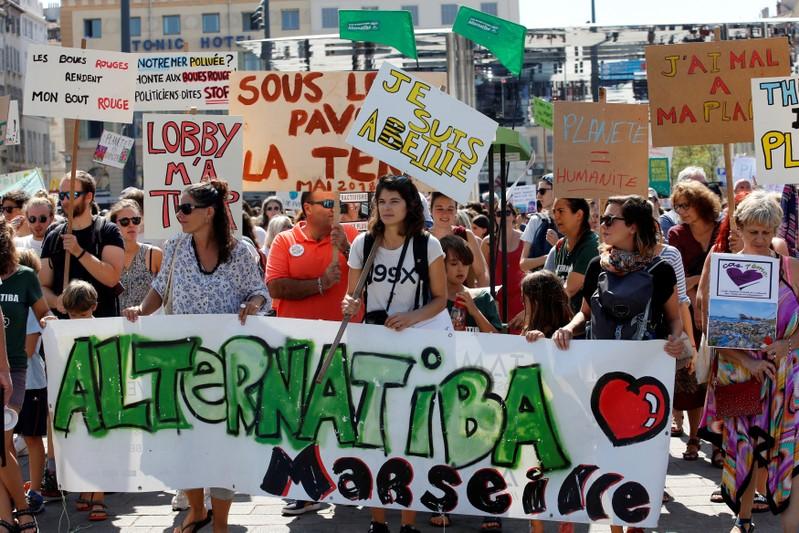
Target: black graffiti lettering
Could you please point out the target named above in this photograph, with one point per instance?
(571, 496)
(443, 478)
(534, 496)
(393, 482)
(631, 502)
(355, 479)
(593, 499)
(482, 486)
(306, 470)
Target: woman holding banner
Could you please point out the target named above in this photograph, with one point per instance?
(418, 300)
(207, 271)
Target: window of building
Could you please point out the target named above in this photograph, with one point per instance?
(289, 19)
(448, 13)
(330, 17)
(210, 22)
(171, 24)
(558, 67)
(414, 13)
(92, 28)
(550, 143)
(135, 26)
(246, 22)
(489, 7)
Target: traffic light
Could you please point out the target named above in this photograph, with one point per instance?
(257, 17)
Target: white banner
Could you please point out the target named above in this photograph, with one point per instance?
(176, 82)
(465, 423)
(80, 84)
(775, 105)
(423, 131)
(183, 149)
(113, 149)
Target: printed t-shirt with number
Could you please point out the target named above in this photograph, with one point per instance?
(576, 260)
(17, 294)
(296, 255)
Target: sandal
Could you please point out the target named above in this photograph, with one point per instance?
(10, 528)
(667, 498)
(691, 452)
(440, 520)
(30, 526)
(742, 523)
(82, 505)
(760, 504)
(716, 497)
(676, 429)
(491, 524)
(192, 527)
(98, 512)
(717, 457)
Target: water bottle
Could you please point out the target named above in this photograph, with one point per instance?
(458, 315)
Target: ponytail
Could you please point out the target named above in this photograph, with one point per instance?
(214, 193)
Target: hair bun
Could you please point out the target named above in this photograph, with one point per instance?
(221, 187)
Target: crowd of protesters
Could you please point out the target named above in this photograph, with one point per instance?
(551, 268)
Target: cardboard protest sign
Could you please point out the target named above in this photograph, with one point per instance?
(743, 301)
(79, 84)
(183, 149)
(302, 144)
(542, 112)
(31, 181)
(431, 136)
(524, 198)
(113, 149)
(601, 149)
(776, 108)
(465, 423)
(175, 82)
(699, 93)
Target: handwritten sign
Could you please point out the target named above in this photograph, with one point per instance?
(601, 149)
(743, 301)
(113, 149)
(9, 121)
(301, 145)
(699, 93)
(776, 108)
(183, 149)
(430, 135)
(175, 82)
(79, 84)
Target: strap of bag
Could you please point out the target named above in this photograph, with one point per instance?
(423, 269)
(398, 272)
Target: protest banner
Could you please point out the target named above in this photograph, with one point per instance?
(80, 84)
(743, 168)
(776, 109)
(699, 93)
(411, 125)
(9, 121)
(524, 197)
(542, 112)
(302, 145)
(30, 181)
(660, 176)
(428, 420)
(177, 82)
(601, 149)
(743, 301)
(113, 149)
(183, 149)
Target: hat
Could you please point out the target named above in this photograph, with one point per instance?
(548, 178)
(653, 192)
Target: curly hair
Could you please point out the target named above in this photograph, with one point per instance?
(214, 193)
(698, 196)
(547, 305)
(414, 214)
(9, 258)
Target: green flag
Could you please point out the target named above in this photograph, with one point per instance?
(392, 28)
(504, 38)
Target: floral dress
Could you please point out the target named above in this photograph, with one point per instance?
(769, 438)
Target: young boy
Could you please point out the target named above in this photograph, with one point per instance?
(481, 309)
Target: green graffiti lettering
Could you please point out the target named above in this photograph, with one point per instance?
(472, 417)
(203, 388)
(283, 389)
(420, 434)
(330, 400)
(245, 359)
(112, 364)
(78, 392)
(377, 373)
(529, 422)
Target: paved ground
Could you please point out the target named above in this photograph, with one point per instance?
(690, 483)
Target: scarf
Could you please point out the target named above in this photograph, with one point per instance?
(621, 262)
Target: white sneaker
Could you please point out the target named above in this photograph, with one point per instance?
(179, 501)
(20, 446)
(299, 507)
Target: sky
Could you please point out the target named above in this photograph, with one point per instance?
(547, 13)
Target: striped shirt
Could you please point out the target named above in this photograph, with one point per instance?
(672, 256)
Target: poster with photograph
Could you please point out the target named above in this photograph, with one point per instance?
(743, 301)
(113, 149)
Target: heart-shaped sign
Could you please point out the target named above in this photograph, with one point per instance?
(745, 277)
(630, 410)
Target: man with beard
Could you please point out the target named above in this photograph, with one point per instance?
(95, 247)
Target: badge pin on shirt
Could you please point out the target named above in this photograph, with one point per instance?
(296, 250)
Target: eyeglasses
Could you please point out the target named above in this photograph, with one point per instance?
(327, 204)
(125, 222)
(65, 195)
(42, 219)
(9, 208)
(186, 209)
(681, 207)
(608, 220)
(542, 191)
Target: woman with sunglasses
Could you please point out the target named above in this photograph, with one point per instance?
(512, 287)
(142, 261)
(699, 210)
(206, 271)
(271, 207)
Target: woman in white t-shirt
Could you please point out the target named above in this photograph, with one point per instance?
(396, 294)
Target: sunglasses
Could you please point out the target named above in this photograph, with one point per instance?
(608, 220)
(542, 191)
(42, 219)
(65, 195)
(186, 209)
(125, 222)
(273, 208)
(9, 208)
(327, 204)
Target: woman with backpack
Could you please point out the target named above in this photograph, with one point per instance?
(417, 297)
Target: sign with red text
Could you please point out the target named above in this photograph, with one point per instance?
(601, 150)
(700, 93)
(426, 133)
(183, 149)
(175, 82)
(295, 126)
(79, 84)
(775, 103)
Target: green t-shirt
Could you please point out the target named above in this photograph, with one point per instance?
(486, 304)
(18, 293)
(576, 260)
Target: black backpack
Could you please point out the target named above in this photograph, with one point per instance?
(539, 245)
(419, 247)
(621, 305)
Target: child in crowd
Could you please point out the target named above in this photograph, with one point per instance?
(480, 306)
(546, 308)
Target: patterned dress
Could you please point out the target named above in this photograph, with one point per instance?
(136, 279)
(769, 438)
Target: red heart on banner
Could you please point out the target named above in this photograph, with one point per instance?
(630, 410)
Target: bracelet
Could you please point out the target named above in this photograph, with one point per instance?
(319, 284)
(80, 255)
(790, 346)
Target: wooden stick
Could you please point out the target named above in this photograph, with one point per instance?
(367, 266)
(603, 95)
(728, 176)
(73, 171)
